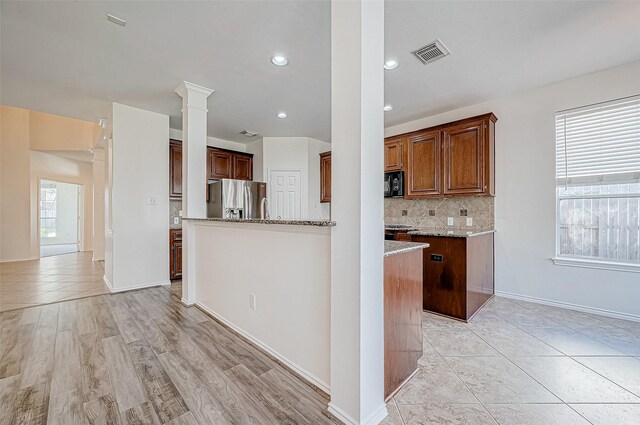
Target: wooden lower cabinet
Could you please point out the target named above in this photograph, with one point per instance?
(402, 318)
(458, 274)
(175, 254)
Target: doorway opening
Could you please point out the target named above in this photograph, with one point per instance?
(60, 216)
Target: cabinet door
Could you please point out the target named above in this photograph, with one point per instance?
(393, 155)
(444, 276)
(325, 177)
(242, 167)
(423, 167)
(464, 159)
(175, 170)
(178, 259)
(220, 163)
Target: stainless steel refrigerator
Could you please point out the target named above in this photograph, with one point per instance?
(237, 199)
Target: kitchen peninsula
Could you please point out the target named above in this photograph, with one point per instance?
(270, 281)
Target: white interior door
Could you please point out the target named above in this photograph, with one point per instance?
(284, 194)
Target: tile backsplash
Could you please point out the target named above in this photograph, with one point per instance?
(435, 212)
(174, 211)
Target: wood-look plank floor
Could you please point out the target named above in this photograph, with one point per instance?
(140, 358)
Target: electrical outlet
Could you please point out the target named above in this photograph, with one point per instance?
(469, 221)
(404, 213)
(180, 213)
(176, 220)
(449, 221)
(252, 301)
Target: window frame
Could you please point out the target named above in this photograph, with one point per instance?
(622, 178)
(589, 262)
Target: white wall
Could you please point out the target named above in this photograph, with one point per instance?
(99, 175)
(525, 193)
(293, 153)
(287, 263)
(212, 141)
(140, 154)
(257, 148)
(52, 167)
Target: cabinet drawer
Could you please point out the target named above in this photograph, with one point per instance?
(175, 235)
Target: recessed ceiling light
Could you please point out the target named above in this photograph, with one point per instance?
(388, 108)
(116, 20)
(279, 60)
(282, 115)
(391, 64)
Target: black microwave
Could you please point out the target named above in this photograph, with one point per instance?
(394, 184)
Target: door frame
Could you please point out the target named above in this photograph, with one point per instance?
(302, 194)
(80, 208)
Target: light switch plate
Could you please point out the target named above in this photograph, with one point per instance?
(252, 301)
(449, 221)
(469, 221)
(152, 200)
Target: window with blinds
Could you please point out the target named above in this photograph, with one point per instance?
(598, 182)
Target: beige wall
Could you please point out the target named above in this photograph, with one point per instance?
(52, 167)
(21, 166)
(53, 132)
(15, 226)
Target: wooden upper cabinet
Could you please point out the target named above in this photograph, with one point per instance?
(393, 154)
(325, 177)
(464, 158)
(242, 167)
(423, 165)
(454, 159)
(175, 169)
(220, 164)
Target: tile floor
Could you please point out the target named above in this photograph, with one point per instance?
(519, 363)
(51, 279)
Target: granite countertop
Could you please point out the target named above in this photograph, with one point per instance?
(320, 223)
(175, 226)
(398, 247)
(453, 233)
(436, 231)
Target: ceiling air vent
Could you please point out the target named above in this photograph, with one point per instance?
(431, 52)
(248, 133)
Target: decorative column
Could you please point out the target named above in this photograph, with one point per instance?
(357, 205)
(194, 176)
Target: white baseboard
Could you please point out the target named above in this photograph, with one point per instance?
(341, 415)
(570, 306)
(187, 303)
(94, 258)
(297, 369)
(12, 260)
(377, 415)
(107, 282)
(133, 287)
(374, 418)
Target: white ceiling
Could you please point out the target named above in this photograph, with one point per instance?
(65, 58)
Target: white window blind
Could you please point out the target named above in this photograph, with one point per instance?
(599, 143)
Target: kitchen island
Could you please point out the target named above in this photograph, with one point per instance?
(402, 312)
(269, 281)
